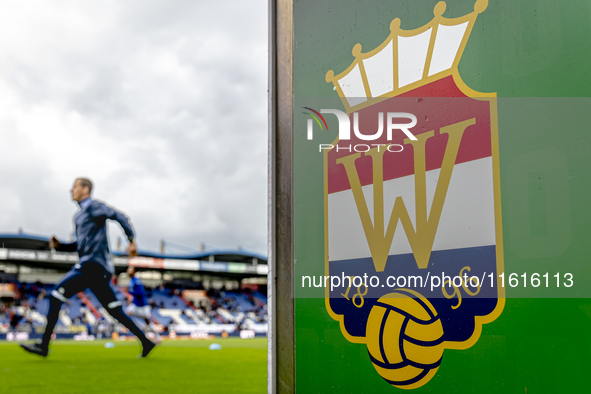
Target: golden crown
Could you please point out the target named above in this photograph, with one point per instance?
(406, 60)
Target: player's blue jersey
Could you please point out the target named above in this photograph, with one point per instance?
(136, 289)
(91, 233)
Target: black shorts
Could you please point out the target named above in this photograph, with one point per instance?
(91, 276)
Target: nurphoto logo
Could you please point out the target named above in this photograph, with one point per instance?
(392, 124)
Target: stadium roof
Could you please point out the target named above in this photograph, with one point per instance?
(38, 242)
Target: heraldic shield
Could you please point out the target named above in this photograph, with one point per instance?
(413, 226)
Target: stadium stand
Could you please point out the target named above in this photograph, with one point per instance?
(209, 293)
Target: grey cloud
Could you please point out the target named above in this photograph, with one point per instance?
(178, 91)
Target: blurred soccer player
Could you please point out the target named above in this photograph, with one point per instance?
(139, 304)
(94, 268)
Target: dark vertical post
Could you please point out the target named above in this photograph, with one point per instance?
(281, 372)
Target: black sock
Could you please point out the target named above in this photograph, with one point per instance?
(118, 314)
(52, 316)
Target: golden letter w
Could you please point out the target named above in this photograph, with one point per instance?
(420, 239)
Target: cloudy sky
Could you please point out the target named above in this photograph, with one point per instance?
(161, 103)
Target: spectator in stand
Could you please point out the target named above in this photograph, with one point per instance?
(14, 318)
(103, 328)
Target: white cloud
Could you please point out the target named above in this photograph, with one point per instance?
(162, 104)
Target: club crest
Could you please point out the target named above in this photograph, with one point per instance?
(413, 241)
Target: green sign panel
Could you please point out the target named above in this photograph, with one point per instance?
(441, 188)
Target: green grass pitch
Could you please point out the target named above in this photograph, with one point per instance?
(173, 367)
